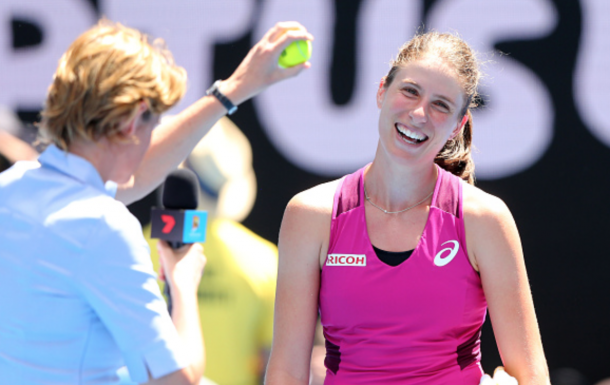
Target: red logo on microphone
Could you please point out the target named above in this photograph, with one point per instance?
(169, 221)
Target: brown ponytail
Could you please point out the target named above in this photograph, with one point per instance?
(456, 155)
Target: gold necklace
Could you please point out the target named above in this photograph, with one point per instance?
(395, 212)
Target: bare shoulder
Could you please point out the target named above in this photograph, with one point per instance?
(314, 202)
(480, 206)
(489, 227)
(305, 229)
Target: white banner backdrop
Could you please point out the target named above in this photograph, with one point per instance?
(26, 73)
(592, 74)
(190, 29)
(512, 133)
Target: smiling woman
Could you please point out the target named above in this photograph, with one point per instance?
(433, 252)
(450, 57)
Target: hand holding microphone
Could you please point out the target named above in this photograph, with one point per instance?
(184, 266)
(182, 226)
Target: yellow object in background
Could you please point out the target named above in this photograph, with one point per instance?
(236, 298)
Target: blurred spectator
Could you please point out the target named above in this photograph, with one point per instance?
(12, 148)
(9, 122)
(604, 382)
(237, 294)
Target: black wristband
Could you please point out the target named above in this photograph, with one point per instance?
(231, 108)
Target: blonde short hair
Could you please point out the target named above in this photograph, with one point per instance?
(101, 80)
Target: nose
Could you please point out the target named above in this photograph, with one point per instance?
(419, 114)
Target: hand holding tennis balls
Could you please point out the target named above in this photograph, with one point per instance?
(299, 51)
(500, 378)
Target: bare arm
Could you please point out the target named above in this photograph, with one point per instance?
(15, 149)
(494, 244)
(174, 140)
(182, 269)
(303, 239)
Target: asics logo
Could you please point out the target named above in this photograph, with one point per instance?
(441, 261)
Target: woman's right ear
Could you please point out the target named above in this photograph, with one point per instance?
(130, 127)
(381, 92)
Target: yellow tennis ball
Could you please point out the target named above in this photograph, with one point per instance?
(297, 52)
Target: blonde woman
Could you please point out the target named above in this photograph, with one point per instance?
(80, 297)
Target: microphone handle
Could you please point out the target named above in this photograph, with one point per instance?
(174, 245)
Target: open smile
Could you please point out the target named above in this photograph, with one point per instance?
(409, 136)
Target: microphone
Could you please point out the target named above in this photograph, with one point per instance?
(179, 222)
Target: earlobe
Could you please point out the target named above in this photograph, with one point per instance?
(464, 121)
(381, 92)
(130, 127)
(460, 127)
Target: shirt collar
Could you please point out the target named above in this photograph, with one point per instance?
(77, 168)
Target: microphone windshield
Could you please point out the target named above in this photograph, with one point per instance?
(181, 190)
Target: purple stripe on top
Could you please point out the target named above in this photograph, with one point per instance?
(448, 200)
(470, 351)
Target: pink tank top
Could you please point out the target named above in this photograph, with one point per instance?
(415, 323)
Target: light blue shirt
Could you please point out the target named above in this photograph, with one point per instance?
(78, 293)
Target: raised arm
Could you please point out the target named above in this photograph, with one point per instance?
(175, 139)
(494, 243)
(15, 149)
(303, 239)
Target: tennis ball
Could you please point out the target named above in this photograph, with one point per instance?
(297, 52)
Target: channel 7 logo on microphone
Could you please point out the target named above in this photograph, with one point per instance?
(186, 226)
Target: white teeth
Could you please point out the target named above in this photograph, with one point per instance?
(410, 134)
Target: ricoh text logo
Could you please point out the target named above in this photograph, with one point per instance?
(346, 260)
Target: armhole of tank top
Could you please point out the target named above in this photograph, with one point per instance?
(331, 230)
(461, 228)
(437, 187)
(336, 197)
